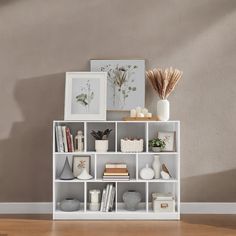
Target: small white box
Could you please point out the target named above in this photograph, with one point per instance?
(163, 202)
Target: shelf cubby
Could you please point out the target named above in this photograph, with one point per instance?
(162, 188)
(171, 162)
(74, 127)
(69, 190)
(129, 159)
(123, 187)
(100, 186)
(131, 130)
(155, 127)
(101, 126)
(60, 160)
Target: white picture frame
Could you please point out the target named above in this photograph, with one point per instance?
(85, 96)
(169, 138)
(80, 163)
(128, 94)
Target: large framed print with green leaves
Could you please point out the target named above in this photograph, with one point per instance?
(85, 96)
(125, 82)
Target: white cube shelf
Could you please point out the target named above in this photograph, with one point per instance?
(135, 162)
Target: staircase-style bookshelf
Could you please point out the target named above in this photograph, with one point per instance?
(135, 162)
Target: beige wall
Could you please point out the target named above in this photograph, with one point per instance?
(40, 40)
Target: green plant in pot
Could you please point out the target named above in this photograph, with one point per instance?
(101, 139)
(157, 144)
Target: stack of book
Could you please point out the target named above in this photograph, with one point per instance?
(108, 198)
(116, 171)
(64, 139)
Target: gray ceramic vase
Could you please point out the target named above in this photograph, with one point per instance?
(66, 173)
(131, 199)
(69, 204)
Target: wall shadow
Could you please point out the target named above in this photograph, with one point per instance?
(26, 156)
(216, 187)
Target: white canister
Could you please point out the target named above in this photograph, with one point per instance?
(94, 195)
(163, 109)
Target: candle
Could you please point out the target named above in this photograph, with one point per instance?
(144, 111)
(148, 115)
(138, 109)
(140, 114)
(133, 113)
(94, 195)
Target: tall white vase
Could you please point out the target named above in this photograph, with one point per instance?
(156, 165)
(163, 109)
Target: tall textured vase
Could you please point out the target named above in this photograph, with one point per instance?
(156, 165)
(163, 109)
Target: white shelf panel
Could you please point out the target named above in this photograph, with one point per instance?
(122, 181)
(122, 215)
(119, 153)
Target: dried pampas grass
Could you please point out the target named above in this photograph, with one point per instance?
(164, 81)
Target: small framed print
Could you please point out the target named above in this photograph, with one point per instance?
(85, 96)
(80, 163)
(169, 138)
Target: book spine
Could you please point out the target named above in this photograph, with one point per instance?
(103, 199)
(107, 166)
(117, 174)
(57, 139)
(116, 170)
(68, 139)
(64, 138)
(106, 196)
(72, 143)
(112, 199)
(60, 138)
(109, 197)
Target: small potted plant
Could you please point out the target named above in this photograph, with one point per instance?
(157, 144)
(101, 139)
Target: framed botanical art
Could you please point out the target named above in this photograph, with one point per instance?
(80, 163)
(169, 138)
(125, 82)
(85, 96)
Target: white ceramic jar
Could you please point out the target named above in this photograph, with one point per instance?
(163, 109)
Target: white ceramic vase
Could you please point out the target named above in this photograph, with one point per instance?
(163, 109)
(147, 173)
(101, 145)
(156, 165)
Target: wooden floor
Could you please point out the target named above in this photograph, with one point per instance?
(189, 225)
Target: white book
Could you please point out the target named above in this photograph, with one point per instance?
(109, 197)
(64, 138)
(103, 199)
(113, 193)
(106, 197)
(116, 165)
(60, 137)
(57, 139)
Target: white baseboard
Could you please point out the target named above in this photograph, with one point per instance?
(208, 208)
(186, 208)
(25, 208)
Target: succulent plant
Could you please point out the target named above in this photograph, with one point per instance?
(101, 135)
(157, 142)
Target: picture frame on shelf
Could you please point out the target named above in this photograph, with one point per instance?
(80, 163)
(169, 138)
(125, 83)
(85, 96)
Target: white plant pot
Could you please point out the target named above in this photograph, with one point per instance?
(101, 145)
(163, 109)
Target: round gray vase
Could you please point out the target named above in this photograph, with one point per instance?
(131, 199)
